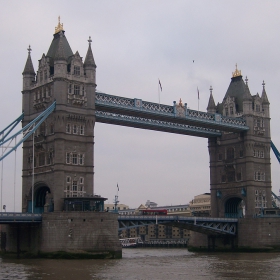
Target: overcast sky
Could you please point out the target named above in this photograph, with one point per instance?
(134, 44)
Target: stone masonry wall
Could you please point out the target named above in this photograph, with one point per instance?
(80, 232)
(259, 232)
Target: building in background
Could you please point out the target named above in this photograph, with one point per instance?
(110, 207)
(200, 206)
(157, 232)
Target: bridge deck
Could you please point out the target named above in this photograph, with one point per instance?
(200, 224)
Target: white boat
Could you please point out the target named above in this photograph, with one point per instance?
(131, 242)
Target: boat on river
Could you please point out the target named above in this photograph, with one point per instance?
(131, 242)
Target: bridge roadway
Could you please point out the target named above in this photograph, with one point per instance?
(17, 217)
(213, 226)
(174, 119)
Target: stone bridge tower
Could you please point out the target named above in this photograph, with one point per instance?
(240, 174)
(63, 144)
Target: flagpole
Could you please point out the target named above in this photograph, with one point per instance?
(158, 93)
(159, 90)
(197, 99)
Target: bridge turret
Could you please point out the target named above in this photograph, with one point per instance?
(89, 65)
(28, 72)
(247, 100)
(265, 102)
(211, 108)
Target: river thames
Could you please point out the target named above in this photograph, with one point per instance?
(152, 264)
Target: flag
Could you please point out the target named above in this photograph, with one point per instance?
(160, 84)
(197, 93)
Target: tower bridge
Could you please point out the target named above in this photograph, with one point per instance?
(58, 151)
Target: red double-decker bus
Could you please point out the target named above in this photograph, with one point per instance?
(153, 212)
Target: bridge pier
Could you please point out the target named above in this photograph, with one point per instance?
(64, 235)
(211, 242)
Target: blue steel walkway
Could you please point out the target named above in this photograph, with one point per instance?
(174, 119)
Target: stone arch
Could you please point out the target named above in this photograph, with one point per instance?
(43, 200)
(234, 207)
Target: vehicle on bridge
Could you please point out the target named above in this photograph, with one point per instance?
(153, 212)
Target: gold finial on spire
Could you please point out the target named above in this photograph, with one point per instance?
(59, 26)
(237, 72)
(180, 102)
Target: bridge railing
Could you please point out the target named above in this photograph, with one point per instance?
(167, 110)
(6, 217)
(175, 218)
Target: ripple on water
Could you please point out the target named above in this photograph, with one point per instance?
(147, 263)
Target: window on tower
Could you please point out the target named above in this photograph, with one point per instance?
(81, 159)
(75, 129)
(68, 128)
(74, 158)
(51, 128)
(82, 130)
(230, 153)
(77, 70)
(68, 158)
(226, 111)
(76, 89)
(41, 159)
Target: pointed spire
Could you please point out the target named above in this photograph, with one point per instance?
(60, 54)
(264, 96)
(211, 108)
(246, 81)
(89, 60)
(247, 94)
(29, 69)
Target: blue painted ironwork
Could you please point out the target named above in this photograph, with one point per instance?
(26, 131)
(13, 217)
(128, 111)
(225, 226)
(11, 126)
(154, 124)
(275, 150)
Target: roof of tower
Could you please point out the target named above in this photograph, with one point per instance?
(28, 69)
(238, 89)
(58, 44)
(89, 60)
(60, 53)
